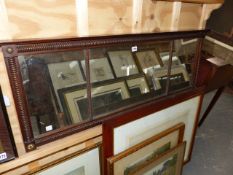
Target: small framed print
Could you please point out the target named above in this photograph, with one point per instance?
(123, 63)
(170, 163)
(149, 59)
(75, 98)
(179, 75)
(165, 59)
(99, 69)
(137, 86)
(65, 74)
(87, 163)
(131, 159)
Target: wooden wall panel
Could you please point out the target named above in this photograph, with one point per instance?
(108, 17)
(41, 19)
(190, 16)
(156, 16)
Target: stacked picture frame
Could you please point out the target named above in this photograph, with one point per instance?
(153, 141)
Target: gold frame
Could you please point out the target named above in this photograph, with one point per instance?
(179, 151)
(145, 147)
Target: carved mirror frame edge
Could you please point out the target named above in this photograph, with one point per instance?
(12, 50)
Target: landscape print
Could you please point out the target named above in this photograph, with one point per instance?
(168, 167)
(147, 159)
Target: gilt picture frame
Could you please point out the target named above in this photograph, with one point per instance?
(129, 160)
(169, 163)
(88, 162)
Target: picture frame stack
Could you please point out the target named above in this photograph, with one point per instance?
(162, 144)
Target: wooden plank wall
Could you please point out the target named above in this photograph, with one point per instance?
(43, 19)
(32, 19)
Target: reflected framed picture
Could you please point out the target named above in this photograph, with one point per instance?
(149, 59)
(137, 156)
(123, 63)
(178, 76)
(75, 102)
(165, 58)
(86, 163)
(99, 69)
(170, 163)
(138, 86)
(65, 74)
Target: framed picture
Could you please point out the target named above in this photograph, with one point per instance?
(169, 163)
(137, 86)
(65, 74)
(99, 69)
(131, 159)
(75, 99)
(165, 59)
(149, 59)
(87, 163)
(123, 63)
(137, 126)
(179, 75)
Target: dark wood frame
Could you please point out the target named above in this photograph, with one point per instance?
(144, 110)
(6, 134)
(179, 127)
(11, 50)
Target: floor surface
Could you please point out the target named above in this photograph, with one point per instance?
(213, 148)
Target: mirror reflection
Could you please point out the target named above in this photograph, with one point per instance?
(121, 75)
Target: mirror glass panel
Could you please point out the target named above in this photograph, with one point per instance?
(50, 82)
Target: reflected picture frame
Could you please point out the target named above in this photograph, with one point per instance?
(65, 74)
(171, 163)
(85, 162)
(100, 69)
(70, 96)
(138, 84)
(148, 59)
(123, 63)
(175, 70)
(129, 160)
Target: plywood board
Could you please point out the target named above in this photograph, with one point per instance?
(41, 19)
(190, 16)
(156, 16)
(107, 17)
